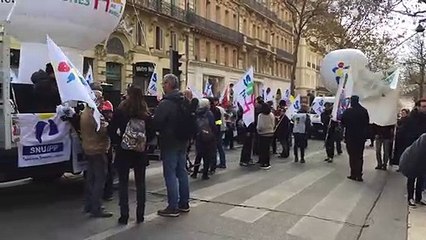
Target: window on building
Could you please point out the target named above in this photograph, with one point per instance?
(226, 57)
(86, 63)
(217, 54)
(218, 19)
(282, 46)
(259, 33)
(208, 51)
(245, 29)
(197, 49)
(235, 58)
(140, 33)
(314, 66)
(309, 64)
(208, 9)
(235, 21)
(285, 44)
(227, 19)
(266, 37)
(113, 75)
(253, 31)
(174, 41)
(159, 45)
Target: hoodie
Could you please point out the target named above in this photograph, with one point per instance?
(412, 163)
(164, 123)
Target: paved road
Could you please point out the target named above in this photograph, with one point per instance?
(290, 201)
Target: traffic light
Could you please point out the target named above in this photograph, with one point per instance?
(175, 63)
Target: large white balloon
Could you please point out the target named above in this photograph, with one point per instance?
(366, 83)
(75, 25)
(377, 95)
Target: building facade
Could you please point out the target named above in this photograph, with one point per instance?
(308, 78)
(219, 40)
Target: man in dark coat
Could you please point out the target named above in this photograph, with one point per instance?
(332, 137)
(356, 121)
(413, 128)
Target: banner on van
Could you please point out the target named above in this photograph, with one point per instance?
(43, 139)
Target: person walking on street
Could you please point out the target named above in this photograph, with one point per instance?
(413, 128)
(265, 129)
(131, 129)
(219, 116)
(356, 121)
(413, 166)
(95, 146)
(330, 130)
(205, 138)
(384, 140)
(282, 133)
(301, 123)
(173, 122)
(400, 142)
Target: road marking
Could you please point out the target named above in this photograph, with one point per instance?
(275, 196)
(216, 191)
(336, 206)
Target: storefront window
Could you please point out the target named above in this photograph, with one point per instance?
(113, 75)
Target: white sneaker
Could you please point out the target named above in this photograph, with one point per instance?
(265, 167)
(411, 203)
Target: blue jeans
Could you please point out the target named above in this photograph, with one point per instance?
(174, 171)
(219, 142)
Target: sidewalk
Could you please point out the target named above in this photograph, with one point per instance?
(417, 223)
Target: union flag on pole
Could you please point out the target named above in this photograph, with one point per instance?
(72, 85)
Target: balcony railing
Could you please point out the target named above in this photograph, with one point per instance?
(214, 29)
(162, 7)
(284, 55)
(262, 9)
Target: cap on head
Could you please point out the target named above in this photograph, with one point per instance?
(355, 99)
(96, 87)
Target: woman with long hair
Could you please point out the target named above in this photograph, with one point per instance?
(133, 108)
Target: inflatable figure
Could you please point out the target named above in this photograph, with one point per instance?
(377, 90)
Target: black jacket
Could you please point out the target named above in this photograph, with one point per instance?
(283, 128)
(413, 161)
(164, 121)
(356, 121)
(414, 127)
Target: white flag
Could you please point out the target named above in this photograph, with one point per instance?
(208, 91)
(244, 93)
(294, 108)
(71, 84)
(89, 75)
(153, 84)
(318, 105)
(342, 101)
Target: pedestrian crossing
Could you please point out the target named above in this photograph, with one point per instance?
(324, 220)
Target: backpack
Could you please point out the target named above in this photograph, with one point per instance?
(134, 137)
(204, 131)
(185, 122)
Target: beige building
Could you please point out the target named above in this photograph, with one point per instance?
(307, 73)
(219, 39)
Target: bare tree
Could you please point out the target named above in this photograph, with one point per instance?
(415, 64)
(360, 24)
(303, 12)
